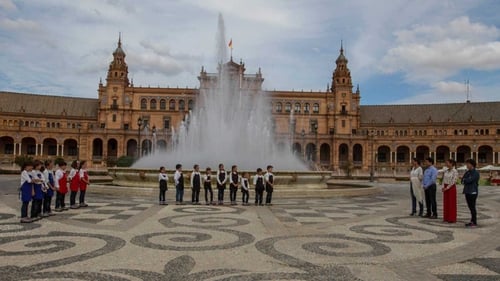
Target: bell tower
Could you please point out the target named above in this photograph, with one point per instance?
(114, 96)
(118, 69)
(346, 102)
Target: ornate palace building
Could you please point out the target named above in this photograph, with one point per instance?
(329, 130)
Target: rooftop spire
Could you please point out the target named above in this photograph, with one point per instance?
(341, 47)
(119, 39)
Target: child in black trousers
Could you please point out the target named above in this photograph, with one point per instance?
(221, 183)
(195, 185)
(258, 182)
(163, 179)
(234, 182)
(207, 185)
(245, 187)
(269, 178)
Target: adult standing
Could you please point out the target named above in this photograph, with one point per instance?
(429, 183)
(450, 192)
(416, 190)
(471, 190)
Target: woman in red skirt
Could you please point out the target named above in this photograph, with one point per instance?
(450, 192)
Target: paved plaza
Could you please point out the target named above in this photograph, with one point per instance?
(122, 237)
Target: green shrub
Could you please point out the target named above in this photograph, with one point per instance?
(58, 160)
(20, 160)
(125, 161)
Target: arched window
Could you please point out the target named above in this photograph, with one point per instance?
(182, 105)
(190, 105)
(288, 107)
(297, 107)
(144, 104)
(307, 107)
(152, 104)
(316, 108)
(279, 107)
(163, 104)
(171, 105)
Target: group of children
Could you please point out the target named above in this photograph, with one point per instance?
(39, 183)
(262, 182)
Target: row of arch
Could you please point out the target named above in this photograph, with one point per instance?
(162, 104)
(403, 154)
(69, 147)
(278, 107)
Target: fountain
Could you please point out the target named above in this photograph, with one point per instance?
(229, 125)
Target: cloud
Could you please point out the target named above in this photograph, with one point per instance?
(18, 24)
(434, 52)
(7, 5)
(452, 91)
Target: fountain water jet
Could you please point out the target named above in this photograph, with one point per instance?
(230, 124)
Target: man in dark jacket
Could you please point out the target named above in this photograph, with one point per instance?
(471, 191)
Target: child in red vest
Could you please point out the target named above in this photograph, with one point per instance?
(61, 184)
(74, 184)
(84, 182)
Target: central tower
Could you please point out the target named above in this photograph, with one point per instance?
(345, 101)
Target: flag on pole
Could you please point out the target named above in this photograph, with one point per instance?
(230, 43)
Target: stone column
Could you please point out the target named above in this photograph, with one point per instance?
(41, 149)
(62, 150)
(36, 149)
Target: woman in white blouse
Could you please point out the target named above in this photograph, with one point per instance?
(416, 189)
(450, 178)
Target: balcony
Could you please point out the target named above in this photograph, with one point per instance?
(114, 107)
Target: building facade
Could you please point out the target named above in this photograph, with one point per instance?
(329, 129)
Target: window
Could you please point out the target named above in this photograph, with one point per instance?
(171, 105)
(114, 105)
(182, 105)
(306, 108)
(382, 157)
(126, 126)
(103, 125)
(344, 110)
(52, 150)
(72, 151)
(279, 107)
(114, 117)
(152, 104)
(343, 123)
(316, 108)
(288, 107)
(144, 104)
(31, 149)
(8, 148)
(400, 157)
(481, 157)
(163, 104)
(166, 123)
(440, 157)
(297, 107)
(190, 105)
(313, 126)
(498, 131)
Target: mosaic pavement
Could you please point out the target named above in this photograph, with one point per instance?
(366, 238)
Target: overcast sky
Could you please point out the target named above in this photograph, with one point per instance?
(399, 51)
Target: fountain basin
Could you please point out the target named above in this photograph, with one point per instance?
(135, 177)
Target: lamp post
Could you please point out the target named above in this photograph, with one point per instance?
(79, 127)
(303, 152)
(139, 125)
(315, 127)
(372, 172)
(153, 144)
